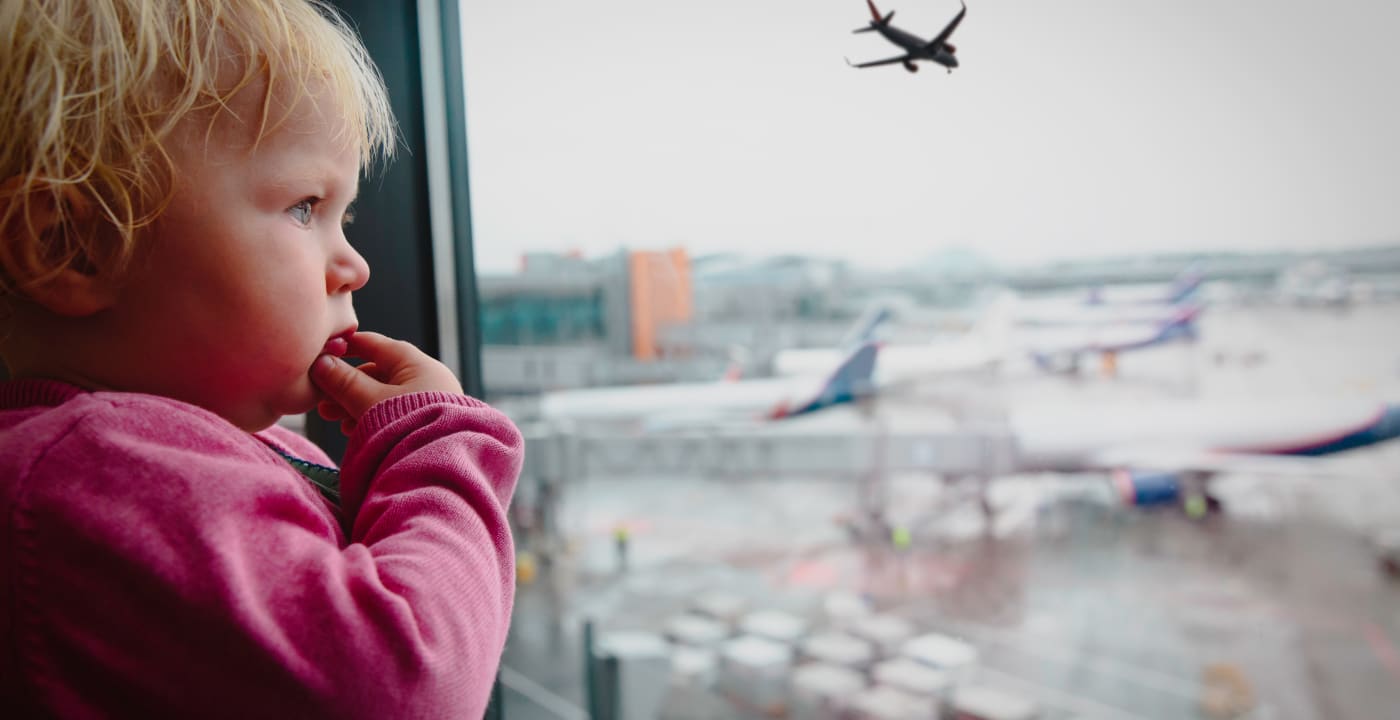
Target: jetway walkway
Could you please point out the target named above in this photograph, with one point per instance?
(556, 460)
(558, 456)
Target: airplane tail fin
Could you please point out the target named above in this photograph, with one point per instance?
(1185, 286)
(852, 380)
(875, 19)
(865, 327)
(1181, 323)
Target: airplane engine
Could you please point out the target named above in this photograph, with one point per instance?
(1146, 489)
(911, 67)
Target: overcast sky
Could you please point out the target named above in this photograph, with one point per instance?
(1073, 127)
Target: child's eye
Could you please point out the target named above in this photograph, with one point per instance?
(301, 212)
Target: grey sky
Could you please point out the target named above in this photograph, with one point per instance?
(1074, 127)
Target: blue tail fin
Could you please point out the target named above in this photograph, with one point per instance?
(866, 326)
(1181, 324)
(1185, 286)
(853, 379)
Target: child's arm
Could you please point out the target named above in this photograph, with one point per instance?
(168, 565)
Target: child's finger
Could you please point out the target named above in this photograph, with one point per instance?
(345, 386)
(372, 370)
(379, 349)
(329, 411)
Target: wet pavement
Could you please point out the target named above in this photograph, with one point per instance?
(1086, 607)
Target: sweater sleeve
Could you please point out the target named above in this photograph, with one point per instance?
(171, 567)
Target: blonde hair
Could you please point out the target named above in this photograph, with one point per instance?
(95, 87)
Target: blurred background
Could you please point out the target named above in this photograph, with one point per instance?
(1061, 384)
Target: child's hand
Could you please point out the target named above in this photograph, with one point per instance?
(392, 368)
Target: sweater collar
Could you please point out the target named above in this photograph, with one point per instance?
(16, 394)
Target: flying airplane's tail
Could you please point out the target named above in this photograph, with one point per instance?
(852, 380)
(876, 21)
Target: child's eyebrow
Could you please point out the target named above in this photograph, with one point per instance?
(326, 183)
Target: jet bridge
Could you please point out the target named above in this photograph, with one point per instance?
(560, 456)
(556, 458)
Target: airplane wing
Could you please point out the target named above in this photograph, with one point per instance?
(886, 61)
(948, 31)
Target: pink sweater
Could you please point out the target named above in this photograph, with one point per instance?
(157, 561)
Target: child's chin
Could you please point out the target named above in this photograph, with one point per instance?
(300, 399)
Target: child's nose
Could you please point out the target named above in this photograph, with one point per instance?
(348, 271)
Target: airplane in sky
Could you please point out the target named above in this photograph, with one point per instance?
(688, 405)
(937, 50)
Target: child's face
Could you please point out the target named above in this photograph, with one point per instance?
(249, 273)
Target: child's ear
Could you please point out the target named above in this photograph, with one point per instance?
(73, 293)
(76, 290)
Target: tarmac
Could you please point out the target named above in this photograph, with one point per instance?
(1074, 602)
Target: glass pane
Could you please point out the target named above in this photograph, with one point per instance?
(1053, 377)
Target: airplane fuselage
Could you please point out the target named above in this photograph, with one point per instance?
(917, 47)
(1068, 439)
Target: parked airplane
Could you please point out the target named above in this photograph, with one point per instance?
(981, 349)
(676, 405)
(1063, 348)
(1160, 451)
(1181, 289)
(992, 341)
(938, 50)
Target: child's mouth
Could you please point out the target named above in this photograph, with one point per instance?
(338, 345)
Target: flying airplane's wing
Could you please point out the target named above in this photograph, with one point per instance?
(948, 31)
(873, 63)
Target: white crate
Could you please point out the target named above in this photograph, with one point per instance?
(976, 702)
(643, 670)
(722, 606)
(823, 692)
(696, 631)
(882, 702)
(841, 610)
(952, 656)
(754, 672)
(774, 625)
(886, 632)
(918, 680)
(834, 648)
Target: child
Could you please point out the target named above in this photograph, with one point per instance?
(174, 175)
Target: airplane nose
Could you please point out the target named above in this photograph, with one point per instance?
(953, 61)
